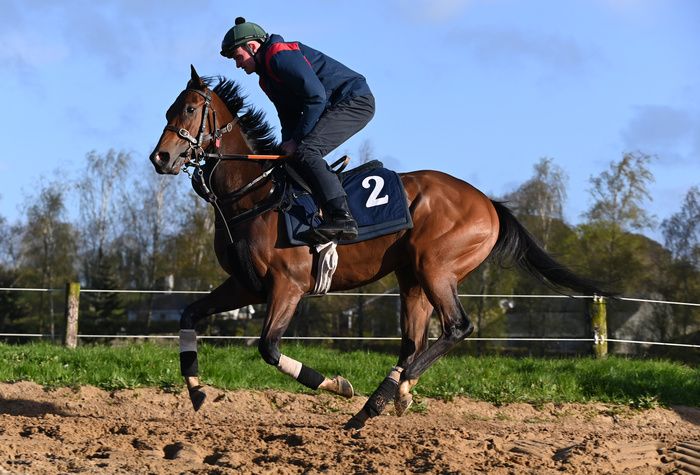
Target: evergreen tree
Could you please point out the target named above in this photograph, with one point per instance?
(13, 308)
(105, 310)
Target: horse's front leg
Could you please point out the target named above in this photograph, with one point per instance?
(281, 305)
(229, 295)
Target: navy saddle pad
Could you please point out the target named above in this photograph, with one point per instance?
(376, 198)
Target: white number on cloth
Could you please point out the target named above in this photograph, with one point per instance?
(374, 199)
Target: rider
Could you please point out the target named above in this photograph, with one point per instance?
(320, 102)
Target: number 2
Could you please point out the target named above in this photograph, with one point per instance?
(374, 199)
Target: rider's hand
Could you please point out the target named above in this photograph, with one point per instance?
(289, 147)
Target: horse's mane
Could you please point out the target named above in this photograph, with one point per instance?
(252, 120)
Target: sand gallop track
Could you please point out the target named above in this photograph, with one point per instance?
(150, 431)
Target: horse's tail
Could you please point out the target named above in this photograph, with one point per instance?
(516, 244)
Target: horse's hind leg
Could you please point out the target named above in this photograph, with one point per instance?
(227, 296)
(281, 307)
(415, 321)
(456, 326)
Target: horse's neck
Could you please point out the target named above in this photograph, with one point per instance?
(230, 176)
(235, 142)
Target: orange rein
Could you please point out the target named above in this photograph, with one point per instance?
(236, 156)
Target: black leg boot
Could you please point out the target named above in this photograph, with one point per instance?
(338, 222)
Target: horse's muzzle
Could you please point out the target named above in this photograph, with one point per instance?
(163, 163)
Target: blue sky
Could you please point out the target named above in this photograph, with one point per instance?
(479, 89)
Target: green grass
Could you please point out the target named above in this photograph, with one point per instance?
(500, 380)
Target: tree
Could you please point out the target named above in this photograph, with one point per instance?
(5, 240)
(104, 310)
(10, 244)
(366, 151)
(48, 245)
(150, 215)
(682, 238)
(3, 229)
(539, 202)
(682, 230)
(619, 194)
(98, 187)
(98, 213)
(11, 305)
(194, 262)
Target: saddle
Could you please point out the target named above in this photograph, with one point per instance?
(376, 198)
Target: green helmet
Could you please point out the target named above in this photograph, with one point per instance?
(240, 34)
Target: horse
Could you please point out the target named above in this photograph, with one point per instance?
(455, 228)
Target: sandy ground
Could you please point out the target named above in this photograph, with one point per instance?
(150, 431)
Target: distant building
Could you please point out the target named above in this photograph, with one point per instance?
(169, 307)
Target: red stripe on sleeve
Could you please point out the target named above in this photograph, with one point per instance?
(276, 48)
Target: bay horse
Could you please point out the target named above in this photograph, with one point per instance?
(455, 228)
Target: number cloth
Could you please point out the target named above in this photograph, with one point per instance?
(376, 198)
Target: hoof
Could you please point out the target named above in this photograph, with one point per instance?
(402, 403)
(197, 396)
(357, 421)
(344, 388)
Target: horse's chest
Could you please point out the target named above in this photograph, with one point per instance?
(236, 256)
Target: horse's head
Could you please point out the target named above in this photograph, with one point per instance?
(183, 138)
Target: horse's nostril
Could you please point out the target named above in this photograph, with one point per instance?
(163, 157)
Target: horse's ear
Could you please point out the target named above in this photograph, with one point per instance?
(196, 81)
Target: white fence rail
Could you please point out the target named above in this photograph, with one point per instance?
(597, 339)
(343, 338)
(356, 294)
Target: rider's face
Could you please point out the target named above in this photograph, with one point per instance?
(244, 60)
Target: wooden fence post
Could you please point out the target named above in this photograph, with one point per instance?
(72, 305)
(599, 326)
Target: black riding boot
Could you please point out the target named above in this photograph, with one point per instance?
(338, 222)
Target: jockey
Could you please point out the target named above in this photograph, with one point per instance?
(320, 103)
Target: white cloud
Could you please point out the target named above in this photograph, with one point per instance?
(671, 133)
(513, 48)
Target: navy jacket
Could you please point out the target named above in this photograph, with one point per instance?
(302, 83)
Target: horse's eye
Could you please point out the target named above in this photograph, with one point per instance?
(190, 109)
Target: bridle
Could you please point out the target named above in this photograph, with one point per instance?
(196, 155)
(195, 150)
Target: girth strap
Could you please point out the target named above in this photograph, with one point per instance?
(275, 201)
(235, 195)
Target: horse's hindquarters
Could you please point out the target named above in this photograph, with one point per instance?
(455, 226)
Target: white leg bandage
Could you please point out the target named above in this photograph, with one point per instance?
(289, 366)
(395, 373)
